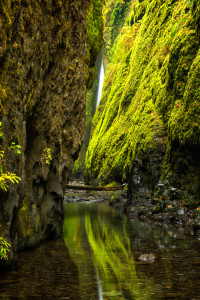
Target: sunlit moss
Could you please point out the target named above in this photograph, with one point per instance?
(151, 90)
(94, 37)
(24, 221)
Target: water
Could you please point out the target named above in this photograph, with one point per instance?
(100, 259)
(100, 84)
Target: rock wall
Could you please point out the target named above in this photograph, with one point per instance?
(46, 58)
(146, 128)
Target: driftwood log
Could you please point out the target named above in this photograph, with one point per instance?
(95, 188)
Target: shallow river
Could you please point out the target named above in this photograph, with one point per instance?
(105, 256)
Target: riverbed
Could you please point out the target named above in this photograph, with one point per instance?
(104, 255)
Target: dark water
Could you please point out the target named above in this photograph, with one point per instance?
(100, 259)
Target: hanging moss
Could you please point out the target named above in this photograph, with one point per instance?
(114, 14)
(151, 90)
(94, 38)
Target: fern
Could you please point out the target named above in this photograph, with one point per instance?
(4, 248)
(5, 177)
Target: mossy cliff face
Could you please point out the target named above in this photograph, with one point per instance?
(91, 98)
(94, 38)
(44, 62)
(147, 124)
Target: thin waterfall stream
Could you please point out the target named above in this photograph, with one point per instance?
(100, 83)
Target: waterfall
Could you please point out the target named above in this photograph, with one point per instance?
(100, 84)
(100, 292)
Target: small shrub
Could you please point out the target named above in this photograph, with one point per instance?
(4, 248)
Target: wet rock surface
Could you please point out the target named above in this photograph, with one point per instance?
(78, 196)
(43, 73)
(160, 210)
(163, 211)
(151, 198)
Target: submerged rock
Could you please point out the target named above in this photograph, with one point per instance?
(147, 257)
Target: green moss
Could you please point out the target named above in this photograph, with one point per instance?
(5, 13)
(24, 221)
(151, 90)
(28, 220)
(94, 37)
(3, 97)
(78, 168)
(113, 183)
(186, 111)
(114, 15)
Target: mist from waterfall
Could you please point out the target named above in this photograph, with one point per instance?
(100, 83)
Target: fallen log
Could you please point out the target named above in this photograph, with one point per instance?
(96, 188)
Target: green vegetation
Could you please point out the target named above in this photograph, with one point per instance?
(24, 224)
(114, 14)
(151, 94)
(6, 176)
(94, 38)
(4, 248)
(46, 156)
(110, 253)
(78, 169)
(94, 43)
(16, 148)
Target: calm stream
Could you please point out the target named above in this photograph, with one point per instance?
(100, 258)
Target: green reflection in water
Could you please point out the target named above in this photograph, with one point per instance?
(113, 260)
(76, 241)
(99, 245)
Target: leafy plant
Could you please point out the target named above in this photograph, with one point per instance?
(46, 156)
(6, 176)
(4, 248)
(16, 148)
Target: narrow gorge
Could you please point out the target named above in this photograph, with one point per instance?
(145, 130)
(104, 93)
